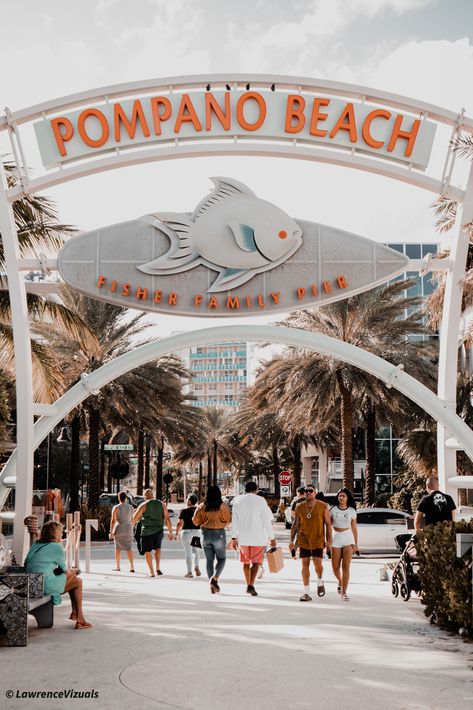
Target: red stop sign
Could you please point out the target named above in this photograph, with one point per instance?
(285, 477)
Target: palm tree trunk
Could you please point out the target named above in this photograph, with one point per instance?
(141, 470)
(102, 466)
(75, 464)
(159, 470)
(296, 453)
(147, 463)
(214, 463)
(346, 424)
(94, 455)
(369, 489)
(209, 469)
(199, 489)
(276, 470)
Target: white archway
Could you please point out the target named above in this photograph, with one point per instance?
(392, 375)
(289, 147)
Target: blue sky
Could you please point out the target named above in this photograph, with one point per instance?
(418, 48)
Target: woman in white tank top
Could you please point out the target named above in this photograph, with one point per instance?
(345, 538)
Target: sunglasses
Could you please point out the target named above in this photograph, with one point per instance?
(309, 490)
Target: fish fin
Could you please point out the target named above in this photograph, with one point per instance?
(225, 278)
(181, 255)
(224, 189)
(244, 236)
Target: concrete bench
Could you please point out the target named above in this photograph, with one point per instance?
(21, 593)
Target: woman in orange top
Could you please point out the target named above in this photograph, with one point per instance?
(213, 516)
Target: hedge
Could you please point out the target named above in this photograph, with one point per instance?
(445, 578)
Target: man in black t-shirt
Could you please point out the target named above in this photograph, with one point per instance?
(435, 507)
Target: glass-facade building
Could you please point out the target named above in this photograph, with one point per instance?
(220, 373)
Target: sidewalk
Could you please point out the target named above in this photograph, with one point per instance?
(168, 643)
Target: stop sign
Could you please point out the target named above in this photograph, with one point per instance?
(285, 478)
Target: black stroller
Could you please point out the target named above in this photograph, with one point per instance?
(405, 579)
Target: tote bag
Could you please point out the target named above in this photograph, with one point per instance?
(275, 559)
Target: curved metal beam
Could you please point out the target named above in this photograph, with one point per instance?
(207, 148)
(200, 81)
(390, 374)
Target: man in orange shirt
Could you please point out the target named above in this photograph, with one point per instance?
(313, 527)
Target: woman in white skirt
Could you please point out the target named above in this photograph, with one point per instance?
(345, 538)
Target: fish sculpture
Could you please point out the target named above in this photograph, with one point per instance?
(231, 231)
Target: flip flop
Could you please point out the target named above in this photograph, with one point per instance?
(320, 590)
(84, 625)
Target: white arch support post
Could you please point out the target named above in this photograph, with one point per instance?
(449, 338)
(389, 373)
(24, 375)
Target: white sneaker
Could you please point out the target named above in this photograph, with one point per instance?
(345, 598)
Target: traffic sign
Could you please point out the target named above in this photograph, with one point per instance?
(119, 447)
(285, 491)
(285, 477)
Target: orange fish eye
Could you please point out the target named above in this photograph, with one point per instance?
(282, 234)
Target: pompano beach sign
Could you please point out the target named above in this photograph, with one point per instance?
(235, 254)
(199, 114)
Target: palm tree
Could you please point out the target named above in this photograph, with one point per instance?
(158, 384)
(260, 429)
(221, 447)
(418, 447)
(39, 232)
(374, 321)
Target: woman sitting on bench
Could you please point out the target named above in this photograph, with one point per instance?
(46, 555)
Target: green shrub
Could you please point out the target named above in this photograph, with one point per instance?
(445, 578)
(409, 489)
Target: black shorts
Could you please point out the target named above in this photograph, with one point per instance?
(152, 542)
(316, 552)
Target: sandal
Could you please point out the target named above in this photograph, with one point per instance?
(320, 590)
(339, 589)
(73, 617)
(83, 625)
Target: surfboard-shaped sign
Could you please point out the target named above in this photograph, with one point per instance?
(234, 255)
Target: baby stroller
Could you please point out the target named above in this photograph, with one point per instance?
(405, 579)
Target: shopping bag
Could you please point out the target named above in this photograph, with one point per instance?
(275, 559)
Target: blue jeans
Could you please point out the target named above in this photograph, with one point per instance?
(215, 547)
(186, 538)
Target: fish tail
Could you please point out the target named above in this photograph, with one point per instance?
(182, 254)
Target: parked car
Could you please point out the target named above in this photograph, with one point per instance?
(108, 499)
(377, 528)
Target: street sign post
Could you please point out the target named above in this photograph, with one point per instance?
(118, 447)
(285, 478)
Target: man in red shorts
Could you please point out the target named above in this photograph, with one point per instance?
(252, 528)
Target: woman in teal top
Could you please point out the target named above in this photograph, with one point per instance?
(47, 556)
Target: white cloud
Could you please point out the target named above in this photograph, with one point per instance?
(172, 42)
(435, 71)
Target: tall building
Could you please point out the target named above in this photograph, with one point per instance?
(220, 373)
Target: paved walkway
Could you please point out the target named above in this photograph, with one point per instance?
(168, 643)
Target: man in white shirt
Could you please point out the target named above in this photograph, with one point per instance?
(252, 528)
